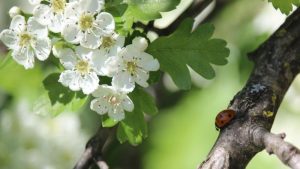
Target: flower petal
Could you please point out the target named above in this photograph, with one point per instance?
(24, 56)
(70, 79)
(9, 38)
(72, 11)
(84, 53)
(102, 90)
(34, 2)
(112, 65)
(91, 6)
(91, 41)
(68, 58)
(43, 48)
(117, 113)
(147, 62)
(42, 14)
(89, 83)
(36, 28)
(141, 77)
(98, 60)
(99, 105)
(71, 33)
(105, 21)
(127, 104)
(18, 24)
(122, 81)
(129, 53)
(57, 23)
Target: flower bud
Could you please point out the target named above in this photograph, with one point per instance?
(14, 11)
(140, 43)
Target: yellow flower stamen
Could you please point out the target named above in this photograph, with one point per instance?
(83, 67)
(58, 5)
(131, 67)
(86, 21)
(24, 39)
(108, 42)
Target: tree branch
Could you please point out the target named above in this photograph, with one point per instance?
(191, 12)
(274, 144)
(94, 148)
(277, 62)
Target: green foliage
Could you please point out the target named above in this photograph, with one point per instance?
(143, 11)
(134, 127)
(144, 101)
(185, 48)
(17, 81)
(108, 122)
(147, 10)
(285, 6)
(116, 7)
(58, 97)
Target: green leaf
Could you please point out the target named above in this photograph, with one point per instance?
(185, 48)
(154, 77)
(143, 101)
(108, 122)
(56, 91)
(133, 128)
(285, 6)
(147, 10)
(115, 7)
(58, 98)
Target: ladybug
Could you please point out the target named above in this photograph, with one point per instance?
(224, 118)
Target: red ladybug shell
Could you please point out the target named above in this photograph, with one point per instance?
(224, 118)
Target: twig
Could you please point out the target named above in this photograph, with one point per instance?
(191, 12)
(286, 152)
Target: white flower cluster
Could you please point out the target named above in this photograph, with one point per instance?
(97, 50)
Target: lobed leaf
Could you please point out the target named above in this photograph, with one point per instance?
(186, 48)
(285, 6)
(58, 98)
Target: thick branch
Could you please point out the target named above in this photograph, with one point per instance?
(93, 150)
(277, 62)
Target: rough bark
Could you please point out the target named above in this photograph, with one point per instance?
(277, 62)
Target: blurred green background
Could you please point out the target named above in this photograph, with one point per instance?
(180, 136)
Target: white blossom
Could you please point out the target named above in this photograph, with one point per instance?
(51, 15)
(14, 11)
(131, 65)
(26, 41)
(110, 100)
(34, 2)
(85, 25)
(112, 44)
(82, 67)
